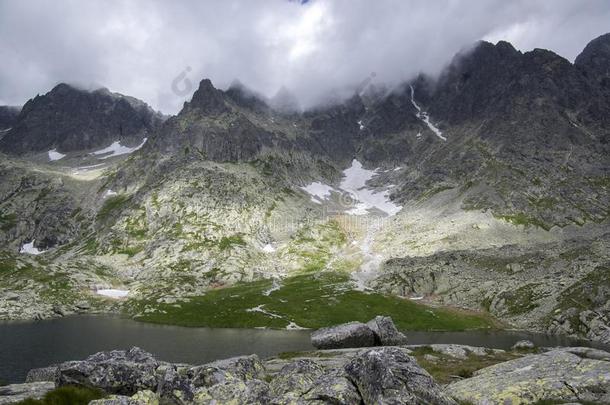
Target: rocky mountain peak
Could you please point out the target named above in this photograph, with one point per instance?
(595, 60)
(70, 119)
(207, 100)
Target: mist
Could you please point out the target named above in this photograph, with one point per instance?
(158, 50)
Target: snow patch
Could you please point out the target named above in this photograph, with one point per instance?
(294, 326)
(112, 293)
(116, 149)
(5, 130)
(260, 309)
(354, 182)
(28, 248)
(422, 115)
(109, 193)
(416, 298)
(361, 125)
(318, 191)
(268, 248)
(55, 155)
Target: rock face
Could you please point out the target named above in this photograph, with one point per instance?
(70, 119)
(390, 376)
(353, 334)
(379, 331)
(558, 375)
(8, 117)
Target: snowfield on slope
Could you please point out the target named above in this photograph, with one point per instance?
(116, 149)
(353, 183)
(55, 155)
(113, 293)
(422, 115)
(318, 191)
(28, 248)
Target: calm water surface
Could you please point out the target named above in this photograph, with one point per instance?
(26, 345)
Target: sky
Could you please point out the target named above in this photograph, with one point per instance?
(159, 50)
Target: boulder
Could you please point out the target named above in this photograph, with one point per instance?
(10, 394)
(353, 334)
(388, 375)
(174, 386)
(294, 380)
(557, 375)
(140, 398)
(333, 387)
(123, 372)
(242, 368)
(385, 331)
(50, 373)
(252, 392)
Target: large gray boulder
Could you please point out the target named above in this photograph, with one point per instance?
(386, 333)
(122, 372)
(50, 373)
(252, 392)
(559, 375)
(242, 368)
(333, 387)
(388, 375)
(294, 380)
(353, 334)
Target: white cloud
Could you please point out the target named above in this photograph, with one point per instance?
(138, 47)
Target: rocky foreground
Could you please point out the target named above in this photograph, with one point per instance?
(397, 374)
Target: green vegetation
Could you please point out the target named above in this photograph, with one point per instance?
(314, 244)
(446, 369)
(588, 293)
(521, 300)
(230, 241)
(524, 220)
(67, 395)
(111, 204)
(309, 300)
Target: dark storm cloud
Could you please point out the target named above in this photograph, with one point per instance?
(139, 47)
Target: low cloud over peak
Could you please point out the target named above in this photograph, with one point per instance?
(158, 51)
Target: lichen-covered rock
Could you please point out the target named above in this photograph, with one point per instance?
(50, 373)
(386, 333)
(334, 388)
(122, 372)
(352, 334)
(557, 375)
(174, 384)
(145, 397)
(241, 368)
(294, 380)
(389, 375)
(252, 392)
(13, 393)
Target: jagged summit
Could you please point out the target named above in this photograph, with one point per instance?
(70, 119)
(207, 99)
(595, 60)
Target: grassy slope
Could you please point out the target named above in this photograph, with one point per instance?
(310, 300)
